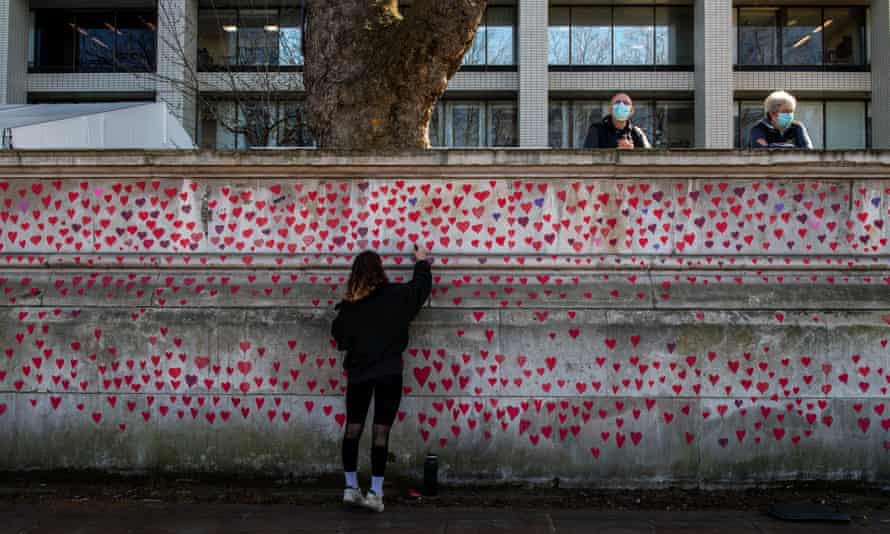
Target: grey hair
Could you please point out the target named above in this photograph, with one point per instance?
(777, 100)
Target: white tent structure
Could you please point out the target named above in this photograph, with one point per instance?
(91, 125)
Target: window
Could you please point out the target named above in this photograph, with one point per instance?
(845, 36)
(135, 42)
(290, 49)
(217, 37)
(474, 123)
(230, 125)
(494, 43)
(93, 41)
(794, 37)
(674, 39)
(258, 37)
(558, 36)
(802, 37)
(598, 37)
(832, 124)
(592, 36)
(248, 38)
(667, 123)
(847, 120)
(634, 37)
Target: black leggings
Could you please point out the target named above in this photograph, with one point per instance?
(387, 392)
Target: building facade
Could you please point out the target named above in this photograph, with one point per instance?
(537, 75)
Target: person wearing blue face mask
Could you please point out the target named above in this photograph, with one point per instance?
(778, 129)
(616, 130)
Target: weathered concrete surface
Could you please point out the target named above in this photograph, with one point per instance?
(224, 518)
(613, 332)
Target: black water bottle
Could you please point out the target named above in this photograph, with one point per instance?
(431, 475)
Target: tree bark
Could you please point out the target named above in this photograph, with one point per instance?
(373, 76)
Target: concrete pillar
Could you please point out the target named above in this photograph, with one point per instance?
(713, 74)
(177, 59)
(880, 73)
(533, 77)
(14, 25)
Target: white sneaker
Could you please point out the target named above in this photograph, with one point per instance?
(373, 501)
(353, 497)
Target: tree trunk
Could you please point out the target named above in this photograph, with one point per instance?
(372, 76)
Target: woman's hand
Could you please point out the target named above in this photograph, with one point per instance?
(420, 253)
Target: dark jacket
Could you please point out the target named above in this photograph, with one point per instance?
(374, 330)
(794, 135)
(604, 134)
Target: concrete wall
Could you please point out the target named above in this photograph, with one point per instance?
(618, 320)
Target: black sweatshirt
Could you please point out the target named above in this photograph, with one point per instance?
(603, 134)
(374, 330)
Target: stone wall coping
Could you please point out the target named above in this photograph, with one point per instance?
(452, 163)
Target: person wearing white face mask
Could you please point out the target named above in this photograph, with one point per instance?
(778, 129)
(616, 130)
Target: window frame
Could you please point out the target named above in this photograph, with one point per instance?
(780, 19)
(239, 67)
(485, 66)
(570, 117)
(239, 139)
(75, 42)
(737, 108)
(443, 107)
(613, 67)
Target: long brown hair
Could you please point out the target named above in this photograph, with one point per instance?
(367, 275)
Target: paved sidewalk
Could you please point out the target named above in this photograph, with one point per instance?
(160, 518)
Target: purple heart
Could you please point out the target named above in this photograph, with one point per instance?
(126, 214)
(780, 206)
(539, 202)
(191, 380)
(875, 201)
(671, 347)
(139, 202)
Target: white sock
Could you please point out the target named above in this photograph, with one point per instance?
(377, 485)
(351, 479)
